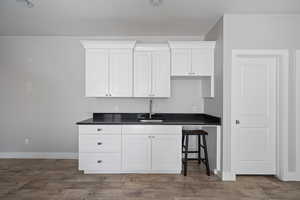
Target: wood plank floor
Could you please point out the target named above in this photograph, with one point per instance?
(59, 179)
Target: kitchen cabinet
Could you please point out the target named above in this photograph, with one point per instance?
(166, 158)
(109, 68)
(130, 148)
(100, 148)
(151, 149)
(136, 153)
(192, 58)
(152, 70)
(96, 72)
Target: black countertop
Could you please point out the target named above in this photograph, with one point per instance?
(168, 119)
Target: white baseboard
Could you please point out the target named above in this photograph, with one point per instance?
(39, 155)
(291, 176)
(228, 176)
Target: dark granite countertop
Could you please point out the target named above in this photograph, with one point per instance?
(168, 119)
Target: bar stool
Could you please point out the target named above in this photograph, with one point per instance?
(201, 135)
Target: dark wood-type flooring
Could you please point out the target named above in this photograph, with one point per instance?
(59, 179)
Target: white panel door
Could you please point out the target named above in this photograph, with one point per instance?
(96, 73)
(120, 72)
(142, 74)
(254, 115)
(166, 152)
(161, 74)
(181, 62)
(136, 152)
(202, 61)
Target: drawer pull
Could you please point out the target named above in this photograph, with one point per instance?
(99, 129)
(99, 161)
(99, 143)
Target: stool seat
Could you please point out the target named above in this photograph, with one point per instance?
(185, 148)
(194, 132)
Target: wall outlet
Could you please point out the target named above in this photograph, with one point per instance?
(26, 141)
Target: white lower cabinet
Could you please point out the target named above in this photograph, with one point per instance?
(100, 148)
(100, 162)
(136, 153)
(166, 155)
(152, 153)
(130, 149)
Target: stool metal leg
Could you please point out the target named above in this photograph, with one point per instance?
(199, 149)
(182, 141)
(186, 154)
(206, 155)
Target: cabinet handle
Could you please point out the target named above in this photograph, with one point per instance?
(106, 95)
(192, 73)
(99, 143)
(110, 95)
(99, 129)
(237, 121)
(99, 161)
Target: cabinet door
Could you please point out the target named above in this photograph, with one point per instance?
(120, 72)
(166, 152)
(96, 72)
(202, 61)
(136, 153)
(160, 74)
(181, 62)
(142, 74)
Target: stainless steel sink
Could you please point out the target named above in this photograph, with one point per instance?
(151, 120)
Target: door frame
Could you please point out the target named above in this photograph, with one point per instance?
(282, 88)
(297, 128)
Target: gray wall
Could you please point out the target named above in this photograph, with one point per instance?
(214, 106)
(42, 95)
(262, 32)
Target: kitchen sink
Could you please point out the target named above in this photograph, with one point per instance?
(151, 120)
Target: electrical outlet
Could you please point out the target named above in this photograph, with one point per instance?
(26, 141)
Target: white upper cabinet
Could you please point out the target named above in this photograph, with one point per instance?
(181, 62)
(142, 74)
(109, 68)
(152, 70)
(161, 76)
(96, 79)
(192, 58)
(203, 61)
(120, 73)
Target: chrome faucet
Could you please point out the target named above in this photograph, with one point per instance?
(150, 109)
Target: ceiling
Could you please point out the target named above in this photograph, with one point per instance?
(127, 17)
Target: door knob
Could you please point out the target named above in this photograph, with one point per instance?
(237, 121)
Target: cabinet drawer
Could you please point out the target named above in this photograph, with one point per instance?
(152, 129)
(100, 143)
(100, 161)
(100, 129)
